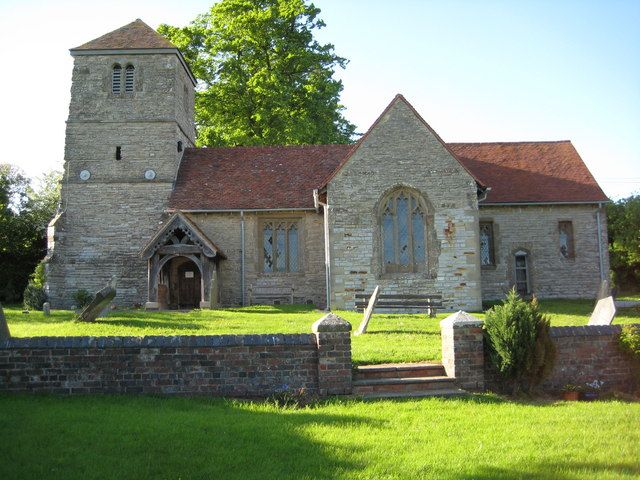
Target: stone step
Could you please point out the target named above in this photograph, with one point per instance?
(410, 384)
(440, 393)
(399, 370)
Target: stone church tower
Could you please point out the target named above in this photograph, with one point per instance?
(130, 117)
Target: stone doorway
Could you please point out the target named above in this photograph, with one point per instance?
(180, 284)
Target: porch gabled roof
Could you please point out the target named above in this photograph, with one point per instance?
(182, 222)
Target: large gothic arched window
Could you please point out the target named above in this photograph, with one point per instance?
(403, 225)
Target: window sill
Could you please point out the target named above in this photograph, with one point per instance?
(399, 275)
(281, 274)
(488, 267)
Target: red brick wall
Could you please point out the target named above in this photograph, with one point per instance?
(589, 353)
(224, 365)
(584, 354)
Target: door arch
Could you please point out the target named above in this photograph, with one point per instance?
(180, 282)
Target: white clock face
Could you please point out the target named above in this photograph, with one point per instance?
(149, 174)
(85, 174)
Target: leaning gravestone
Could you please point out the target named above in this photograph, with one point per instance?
(604, 291)
(4, 328)
(99, 304)
(46, 309)
(368, 312)
(604, 312)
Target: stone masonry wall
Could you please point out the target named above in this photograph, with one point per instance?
(218, 365)
(107, 219)
(535, 229)
(223, 229)
(401, 151)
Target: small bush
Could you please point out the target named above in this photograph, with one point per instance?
(630, 340)
(518, 341)
(34, 297)
(82, 298)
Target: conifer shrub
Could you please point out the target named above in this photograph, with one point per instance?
(518, 342)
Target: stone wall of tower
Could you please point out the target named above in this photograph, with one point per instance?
(107, 219)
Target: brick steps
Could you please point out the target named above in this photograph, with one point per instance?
(404, 380)
(442, 393)
(399, 370)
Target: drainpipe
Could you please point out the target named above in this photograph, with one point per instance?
(242, 255)
(600, 252)
(327, 248)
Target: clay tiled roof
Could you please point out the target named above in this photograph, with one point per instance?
(234, 178)
(284, 177)
(136, 35)
(530, 172)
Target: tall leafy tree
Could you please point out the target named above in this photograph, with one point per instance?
(263, 78)
(24, 214)
(623, 218)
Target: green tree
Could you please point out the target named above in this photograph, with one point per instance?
(623, 219)
(24, 214)
(263, 78)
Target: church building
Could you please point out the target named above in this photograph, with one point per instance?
(184, 227)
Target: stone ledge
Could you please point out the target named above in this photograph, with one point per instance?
(331, 323)
(159, 341)
(587, 330)
(461, 319)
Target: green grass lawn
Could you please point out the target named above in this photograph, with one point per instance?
(481, 437)
(390, 338)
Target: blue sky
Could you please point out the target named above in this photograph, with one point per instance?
(476, 71)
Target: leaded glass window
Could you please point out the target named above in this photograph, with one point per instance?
(281, 246)
(566, 239)
(267, 246)
(403, 223)
(522, 273)
(486, 244)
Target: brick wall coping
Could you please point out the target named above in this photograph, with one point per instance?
(586, 330)
(156, 341)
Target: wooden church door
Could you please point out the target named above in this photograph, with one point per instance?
(188, 286)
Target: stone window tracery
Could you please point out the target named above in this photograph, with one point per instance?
(403, 224)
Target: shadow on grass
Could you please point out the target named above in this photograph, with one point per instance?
(148, 437)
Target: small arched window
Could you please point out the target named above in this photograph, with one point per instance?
(116, 79)
(403, 225)
(128, 78)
